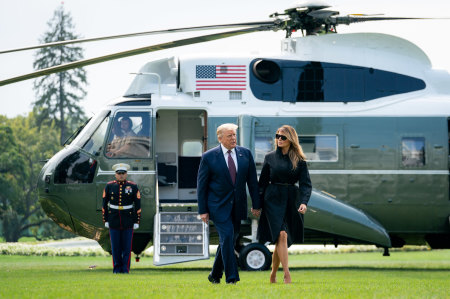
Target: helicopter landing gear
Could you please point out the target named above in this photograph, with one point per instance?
(386, 252)
(255, 257)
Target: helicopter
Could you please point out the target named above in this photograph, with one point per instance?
(372, 117)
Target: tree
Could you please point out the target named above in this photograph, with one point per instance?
(22, 150)
(58, 95)
(11, 172)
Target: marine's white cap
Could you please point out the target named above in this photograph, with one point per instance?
(121, 167)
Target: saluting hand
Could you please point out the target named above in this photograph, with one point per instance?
(302, 208)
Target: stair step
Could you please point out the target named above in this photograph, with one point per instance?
(181, 234)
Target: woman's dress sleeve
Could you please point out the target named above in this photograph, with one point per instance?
(304, 183)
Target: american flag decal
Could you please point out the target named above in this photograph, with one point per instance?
(220, 77)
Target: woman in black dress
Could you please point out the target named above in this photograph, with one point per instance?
(284, 204)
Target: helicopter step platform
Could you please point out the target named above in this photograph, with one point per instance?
(179, 237)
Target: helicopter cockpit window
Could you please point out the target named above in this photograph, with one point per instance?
(320, 148)
(84, 136)
(413, 151)
(94, 144)
(129, 136)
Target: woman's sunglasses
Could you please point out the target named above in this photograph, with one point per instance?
(121, 172)
(278, 136)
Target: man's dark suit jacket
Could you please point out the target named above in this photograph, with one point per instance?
(215, 190)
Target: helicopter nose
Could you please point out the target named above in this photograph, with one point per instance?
(52, 202)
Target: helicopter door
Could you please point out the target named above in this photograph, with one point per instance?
(179, 234)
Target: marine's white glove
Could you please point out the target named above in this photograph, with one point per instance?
(135, 226)
(107, 224)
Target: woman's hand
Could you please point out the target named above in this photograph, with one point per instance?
(256, 212)
(302, 208)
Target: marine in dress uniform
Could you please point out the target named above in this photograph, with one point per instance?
(121, 214)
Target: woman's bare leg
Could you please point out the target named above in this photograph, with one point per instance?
(275, 265)
(282, 252)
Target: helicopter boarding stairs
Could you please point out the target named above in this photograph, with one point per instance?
(179, 233)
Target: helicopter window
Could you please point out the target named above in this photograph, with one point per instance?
(320, 148)
(192, 148)
(129, 136)
(85, 134)
(94, 144)
(263, 145)
(76, 168)
(413, 151)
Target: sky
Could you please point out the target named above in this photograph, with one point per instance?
(23, 23)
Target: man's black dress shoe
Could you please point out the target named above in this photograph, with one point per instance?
(232, 282)
(213, 280)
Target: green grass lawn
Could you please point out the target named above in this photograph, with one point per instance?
(416, 274)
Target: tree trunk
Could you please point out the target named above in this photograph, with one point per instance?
(11, 226)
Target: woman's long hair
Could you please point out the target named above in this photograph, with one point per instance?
(295, 149)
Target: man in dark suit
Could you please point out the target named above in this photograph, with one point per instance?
(223, 173)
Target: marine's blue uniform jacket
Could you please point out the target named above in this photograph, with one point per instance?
(121, 194)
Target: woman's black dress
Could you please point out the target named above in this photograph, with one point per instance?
(281, 198)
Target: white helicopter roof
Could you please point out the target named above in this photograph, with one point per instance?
(375, 50)
(371, 50)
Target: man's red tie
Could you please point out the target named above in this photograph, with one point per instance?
(231, 167)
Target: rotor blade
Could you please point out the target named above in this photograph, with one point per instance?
(365, 15)
(347, 20)
(174, 30)
(164, 46)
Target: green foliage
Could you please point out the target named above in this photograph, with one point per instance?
(23, 148)
(58, 95)
(40, 250)
(421, 274)
(12, 172)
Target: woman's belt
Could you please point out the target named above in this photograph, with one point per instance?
(282, 184)
(120, 207)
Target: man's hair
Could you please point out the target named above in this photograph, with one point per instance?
(224, 127)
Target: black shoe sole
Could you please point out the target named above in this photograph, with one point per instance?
(213, 280)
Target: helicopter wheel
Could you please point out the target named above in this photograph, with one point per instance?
(255, 257)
